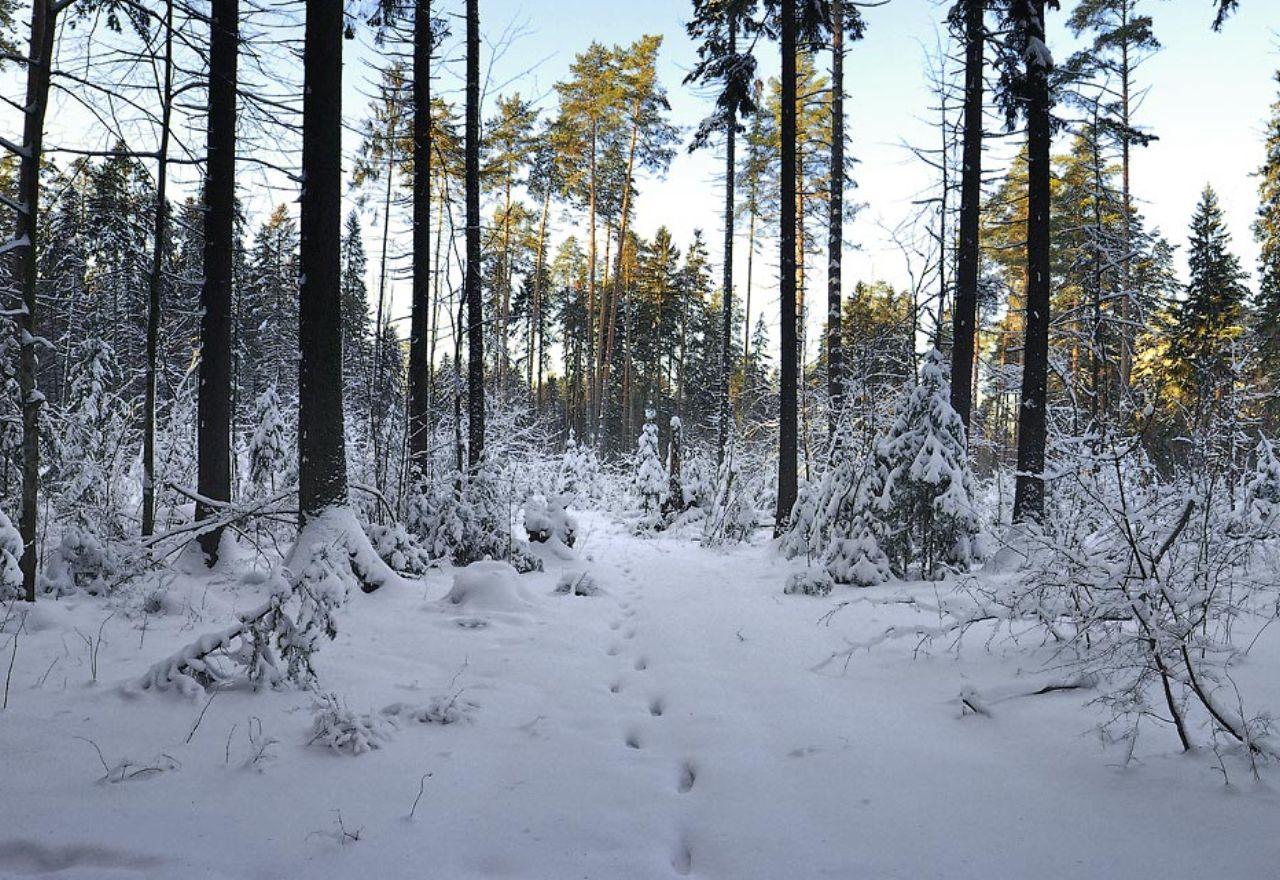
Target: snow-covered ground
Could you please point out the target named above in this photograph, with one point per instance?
(681, 722)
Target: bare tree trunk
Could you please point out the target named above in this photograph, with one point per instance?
(964, 317)
(475, 306)
(1028, 501)
(154, 283)
(24, 248)
(375, 414)
(726, 306)
(835, 240)
(214, 406)
(787, 481)
(418, 427)
(322, 462)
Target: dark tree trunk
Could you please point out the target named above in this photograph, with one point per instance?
(25, 250)
(475, 312)
(419, 378)
(789, 354)
(155, 282)
(1028, 503)
(835, 240)
(726, 329)
(214, 406)
(322, 462)
(964, 317)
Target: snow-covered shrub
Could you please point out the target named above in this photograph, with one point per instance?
(731, 516)
(339, 728)
(545, 518)
(397, 548)
(675, 502)
(650, 480)
(810, 582)
(81, 561)
(467, 517)
(448, 709)
(853, 554)
(93, 441)
(269, 447)
(1259, 504)
(699, 478)
(577, 583)
(919, 486)
(288, 628)
(799, 538)
(579, 473)
(10, 554)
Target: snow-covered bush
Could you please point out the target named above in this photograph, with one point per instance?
(853, 554)
(675, 501)
(276, 642)
(810, 582)
(579, 474)
(397, 548)
(731, 516)
(269, 447)
(799, 538)
(577, 583)
(1259, 505)
(545, 518)
(342, 730)
(919, 486)
(81, 561)
(10, 554)
(467, 517)
(650, 480)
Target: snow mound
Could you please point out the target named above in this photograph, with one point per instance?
(489, 585)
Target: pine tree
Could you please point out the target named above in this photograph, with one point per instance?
(1211, 315)
(269, 450)
(921, 488)
(1266, 230)
(650, 480)
(357, 355)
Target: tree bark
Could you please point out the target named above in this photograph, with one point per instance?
(475, 306)
(726, 306)
(25, 250)
(1028, 503)
(419, 427)
(787, 481)
(835, 240)
(155, 281)
(964, 317)
(322, 462)
(214, 405)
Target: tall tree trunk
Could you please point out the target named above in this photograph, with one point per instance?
(475, 306)
(25, 250)
(322, 462)
(964, 316)
(419, 380)
(155, 281)
(214, 405)
(1028, 503)
(591, 289)
(535, 316)
(787, 482)
(607, 333)
(835, 240)
(375, 414)
(726, 306)
(1126, 143)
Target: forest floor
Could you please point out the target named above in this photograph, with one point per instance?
(682, 722)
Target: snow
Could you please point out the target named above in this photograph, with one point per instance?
(681, 722)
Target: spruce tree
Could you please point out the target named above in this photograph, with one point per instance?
(1210, 317)
(1266, 230)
